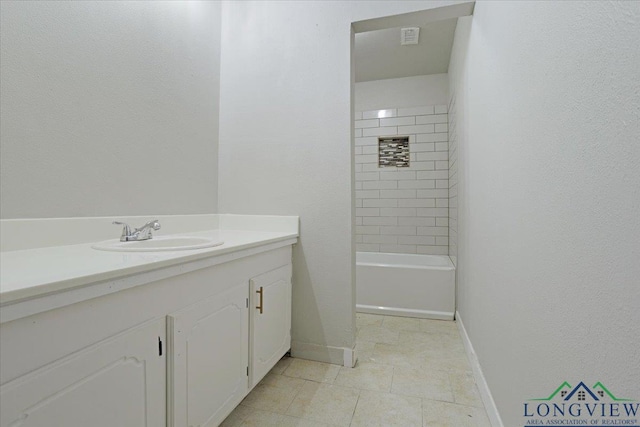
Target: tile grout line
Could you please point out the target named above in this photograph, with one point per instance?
(353, 414)
(294, 397)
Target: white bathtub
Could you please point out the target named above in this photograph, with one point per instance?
(405, 285)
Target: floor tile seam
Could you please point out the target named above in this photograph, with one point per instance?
(450, 383)
(353, 413)
(281, 387)
(274, 386)
(481, 403)
(359, 388)
(242, 423)
(471, 406)
(422, 412)
(455, 404)
(335, 385)
(372, 362)
(306, 419)
(294, 398)
(309, 379)
(253, 409)
(295, 394)
(421, 397)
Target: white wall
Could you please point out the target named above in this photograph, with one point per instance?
(285, 76)
(404, 92)
(548, 109)
(108, 108)
(403, 209)
(453, 179)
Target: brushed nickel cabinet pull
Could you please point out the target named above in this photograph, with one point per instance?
(261, 294)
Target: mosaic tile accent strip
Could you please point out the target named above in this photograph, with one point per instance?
(393, 151)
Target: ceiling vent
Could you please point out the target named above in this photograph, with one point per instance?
(409, 35)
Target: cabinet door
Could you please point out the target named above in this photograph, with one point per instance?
(117, 382)
(271, 324)
(209, 358)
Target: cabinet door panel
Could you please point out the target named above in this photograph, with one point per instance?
(271, 329)
(117, 382)
(209, 358)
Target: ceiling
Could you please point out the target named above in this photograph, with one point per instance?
(379, 55)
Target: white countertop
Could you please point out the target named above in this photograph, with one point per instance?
(30, 273)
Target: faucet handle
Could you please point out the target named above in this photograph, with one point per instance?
(155, 224)
(126, 230)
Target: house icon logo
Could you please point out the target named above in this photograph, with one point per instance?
(582, 392)
(582, 405)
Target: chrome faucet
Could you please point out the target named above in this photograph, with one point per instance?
(142, 233)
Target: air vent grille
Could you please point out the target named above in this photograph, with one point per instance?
(409, 35)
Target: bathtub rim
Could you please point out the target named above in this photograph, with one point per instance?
(405, 312)
(448, 267)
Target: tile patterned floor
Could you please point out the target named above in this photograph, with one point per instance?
(411, 372)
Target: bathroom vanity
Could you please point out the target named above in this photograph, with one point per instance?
(145, 338)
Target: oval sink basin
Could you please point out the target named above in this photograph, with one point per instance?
(158, 243)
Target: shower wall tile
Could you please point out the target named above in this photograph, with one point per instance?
(382, 220)
(373, 123)
(426, 146)
(400, 249)
(380, 203)
(419, 221)
(398, 121)
(380, 131)
(435, 118)
(416, 129)
(418, 184)
(433, 155)
(397, 212)
(416, 111)
(366, 141)
(406, 209)
(398, 194)
(367, 176)
(376, 114)
(432, 137)
(382, 185)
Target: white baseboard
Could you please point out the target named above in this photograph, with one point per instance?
(483, 387)
(328, 354)
(350, 357)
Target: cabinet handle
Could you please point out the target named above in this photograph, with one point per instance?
(261, 294)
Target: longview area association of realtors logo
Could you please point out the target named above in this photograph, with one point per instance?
(581, 405)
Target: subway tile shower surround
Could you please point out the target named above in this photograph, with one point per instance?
(403, 209)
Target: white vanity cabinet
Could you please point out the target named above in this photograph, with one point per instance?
(117, 382)
(218, 344)
(209, 359)
(179, 346)
(270, 320)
